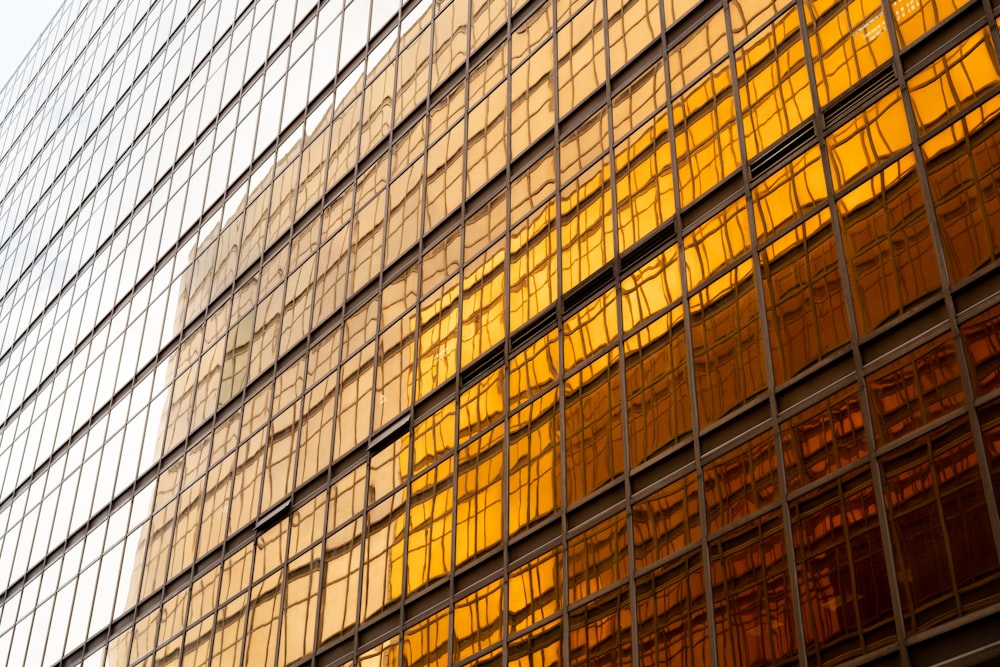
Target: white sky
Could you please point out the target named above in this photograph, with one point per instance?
(21, 22)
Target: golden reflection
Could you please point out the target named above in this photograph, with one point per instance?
(848, 40)
(868, 139)
(716, 242)
(774, 83)
(535, 476)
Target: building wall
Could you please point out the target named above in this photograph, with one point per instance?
(526, 333)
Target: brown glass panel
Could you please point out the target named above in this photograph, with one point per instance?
(946, 561)
(600, 632)
(963, 164)
(594, 447)
(656, 379)
(915, 390)
(989, 420)
(725, 331)
(823, 438)
(754, 623)
(671, 615)
(741, 481)
(806, 313)
(843, 577)
(597, 558)
(981, 335)
(890, 255)
(666, 521)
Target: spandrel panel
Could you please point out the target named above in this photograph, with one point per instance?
(937, 515)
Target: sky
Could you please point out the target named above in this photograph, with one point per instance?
(23, 21)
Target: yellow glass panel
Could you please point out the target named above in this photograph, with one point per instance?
(354, 408)
(300, 607)
(789, 194)
(342, 571)
(433, 438)
(597, 558)
(656, 379)
(914, 18)
(747, 16)
(581, 65)
(429, 542)
(347, 498)
(543, 646)
(535, 591)
(868, 139)
(426, 643)
(697, 53)
(651, 289)
(382, 580)
(644, 175)
(483, 291)
(533, 369)
(534, 254)
(481, 405)
(532, 104)
(477, 621)
(262, 624)
(535, 465)
(804, 301)
(479, 497)
(438, 338)
(590, 330)
(848, 40)
(775, 95)
(884, 218)
(487, 142)
(588, 241)
(639, 100)
(717, 242)
(632, 25)
(958, 78)
(705, 134)
(529, 189)
(593, 416)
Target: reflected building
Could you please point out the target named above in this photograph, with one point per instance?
(460, 332)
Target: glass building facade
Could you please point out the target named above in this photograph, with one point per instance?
(485, 332)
